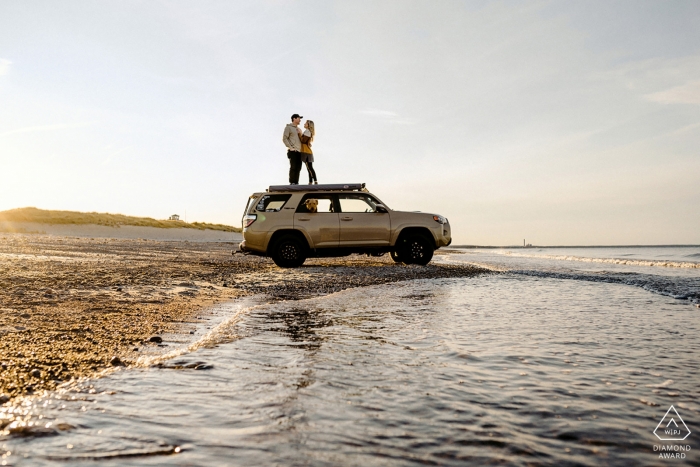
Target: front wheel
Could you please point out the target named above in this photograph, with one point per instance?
(289, 252)
(417, 250)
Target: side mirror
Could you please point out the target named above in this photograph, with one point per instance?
(381, 208)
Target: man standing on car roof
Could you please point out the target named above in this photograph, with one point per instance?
(290, 138)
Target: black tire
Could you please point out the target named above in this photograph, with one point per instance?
(396, 257)
(289, 252)
(417, 249)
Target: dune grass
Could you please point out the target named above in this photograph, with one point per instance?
(43, 216)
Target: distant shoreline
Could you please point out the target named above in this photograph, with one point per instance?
(124, 232)
(52, 217)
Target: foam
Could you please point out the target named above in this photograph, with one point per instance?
(621, 261)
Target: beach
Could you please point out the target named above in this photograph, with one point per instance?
(510, 356)
(73, 304)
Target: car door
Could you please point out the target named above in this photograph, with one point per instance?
(360, 223)
(322, 226)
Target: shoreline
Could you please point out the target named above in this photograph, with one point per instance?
(71, 307)
(119, 231)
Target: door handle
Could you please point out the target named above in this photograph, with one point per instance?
(303, 219)
(346, 218)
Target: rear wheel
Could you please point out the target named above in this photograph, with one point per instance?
(289, 252)
(417, 250)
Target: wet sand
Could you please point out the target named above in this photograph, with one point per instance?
(71, 307)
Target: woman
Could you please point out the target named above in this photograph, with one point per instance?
(307, 156)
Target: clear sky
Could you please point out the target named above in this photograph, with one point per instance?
(557, 122)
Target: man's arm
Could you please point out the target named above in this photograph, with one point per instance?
(285, 139)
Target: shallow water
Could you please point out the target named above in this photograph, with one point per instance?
(670, 271)
(498, 369)
(662, 256)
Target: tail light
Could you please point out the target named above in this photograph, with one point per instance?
(249, 219)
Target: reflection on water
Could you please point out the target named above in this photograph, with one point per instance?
(501, 369)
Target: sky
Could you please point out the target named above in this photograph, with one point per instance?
(561, 123)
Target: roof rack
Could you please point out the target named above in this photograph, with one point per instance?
(326, 187)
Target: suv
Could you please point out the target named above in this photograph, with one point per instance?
(292, 222)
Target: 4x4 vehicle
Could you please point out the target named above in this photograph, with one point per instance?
(292, 222)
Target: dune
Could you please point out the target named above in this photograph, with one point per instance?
(105, 225)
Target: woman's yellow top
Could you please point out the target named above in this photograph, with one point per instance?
(305, 138)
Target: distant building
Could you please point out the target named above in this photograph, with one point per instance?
(174, 217)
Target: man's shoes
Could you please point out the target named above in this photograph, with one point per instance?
(315, 183)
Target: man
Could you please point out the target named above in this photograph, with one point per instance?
(290, 138)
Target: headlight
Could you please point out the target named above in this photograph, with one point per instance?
(248, 220)
(440, 219)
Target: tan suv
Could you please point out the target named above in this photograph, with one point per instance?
(292, 222)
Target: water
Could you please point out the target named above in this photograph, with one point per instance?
(662, 256)
(670, 271)
(517, 368)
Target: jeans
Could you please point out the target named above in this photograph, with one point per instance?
(294, 166)
(312, 172)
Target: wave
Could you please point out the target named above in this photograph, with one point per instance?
(681, 288)
(628, 262)
(678, 288)
(229, 314)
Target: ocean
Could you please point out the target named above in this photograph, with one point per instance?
(667, 270)
(560, 356)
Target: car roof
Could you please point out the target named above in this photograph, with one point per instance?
(313, 188)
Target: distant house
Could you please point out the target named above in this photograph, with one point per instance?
(174, 217)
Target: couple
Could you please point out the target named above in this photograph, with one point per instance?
(298, 144)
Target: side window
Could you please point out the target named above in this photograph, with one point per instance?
(355, 202)
(316, 203)
(272, 203)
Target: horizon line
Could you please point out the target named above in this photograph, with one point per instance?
(573, 246)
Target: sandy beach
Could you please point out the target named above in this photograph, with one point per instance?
(72, 304)
(122, 231)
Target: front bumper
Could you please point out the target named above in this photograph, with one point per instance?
(444, 236)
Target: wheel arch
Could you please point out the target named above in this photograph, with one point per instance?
(424, 231)
(282, 232)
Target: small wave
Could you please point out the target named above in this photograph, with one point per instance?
(164, 450)
(678, 288)
(222, 332)
(681, 288)
(628, 262)
(694, 255)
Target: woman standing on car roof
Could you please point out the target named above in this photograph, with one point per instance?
(307, 156)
